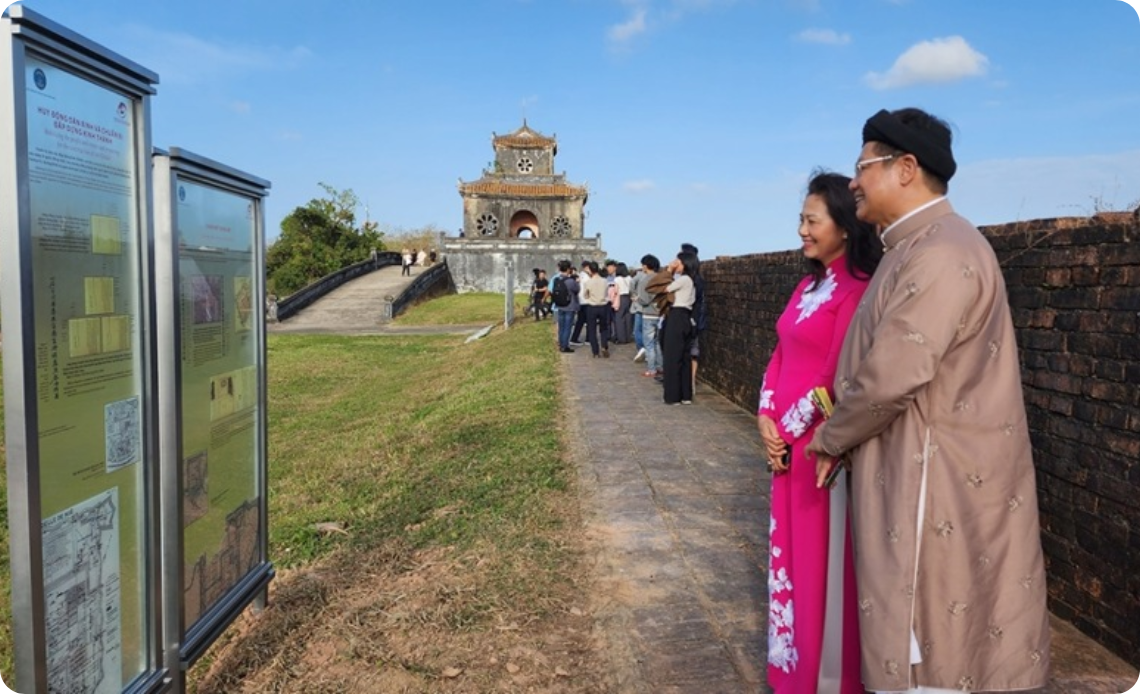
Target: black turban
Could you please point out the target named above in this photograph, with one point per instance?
(931, 146)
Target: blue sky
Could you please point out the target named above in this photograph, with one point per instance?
(690, 120)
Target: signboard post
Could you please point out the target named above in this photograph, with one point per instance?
(79, 361)
(508, 294)
(210, 247)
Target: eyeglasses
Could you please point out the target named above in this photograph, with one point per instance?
(864, 163)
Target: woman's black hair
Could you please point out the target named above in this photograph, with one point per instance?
(689, 263)
(863, 249)
(622, 270)
(650, 261)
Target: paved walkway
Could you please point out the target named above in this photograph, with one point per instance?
(677, 498)
(356, 307)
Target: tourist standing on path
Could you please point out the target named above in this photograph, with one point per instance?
(678, 336)
(811, 575)
(406, 262)
(944, 499)
(637, 282)
(580, 323)
(623, 321)
(650, 316)
(566, 314)
(700, 311)
(597, 310)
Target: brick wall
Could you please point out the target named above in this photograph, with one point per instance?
(1074, 286)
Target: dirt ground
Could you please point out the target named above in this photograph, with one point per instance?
(399, 621)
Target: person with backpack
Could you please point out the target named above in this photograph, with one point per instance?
(565, 296)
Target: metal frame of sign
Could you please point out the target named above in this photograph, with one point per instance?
(27, 36)
(173, 171)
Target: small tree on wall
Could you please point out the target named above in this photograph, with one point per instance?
(319, 238)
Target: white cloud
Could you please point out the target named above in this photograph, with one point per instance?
(242, 107)
(931, 62)
(645, 16)
(289, 135)
(828, 37)
(640, 185)
(186, 59)
(634, 26)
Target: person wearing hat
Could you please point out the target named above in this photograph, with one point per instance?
(930, 416)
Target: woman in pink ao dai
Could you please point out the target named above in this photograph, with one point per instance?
(813, 632)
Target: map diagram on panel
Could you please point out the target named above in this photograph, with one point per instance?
(208, 579)
(122, 432)
(81, 596)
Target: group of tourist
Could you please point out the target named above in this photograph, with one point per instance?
(905, 553)
(412, 257)
(660, 310)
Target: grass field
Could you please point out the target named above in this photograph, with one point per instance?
(425, 453)
(459, 309)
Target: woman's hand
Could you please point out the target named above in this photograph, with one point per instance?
(775, 445)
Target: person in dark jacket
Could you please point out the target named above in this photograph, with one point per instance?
(566, 314)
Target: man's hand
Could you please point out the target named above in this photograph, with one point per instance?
(824, 461)
(773, 443)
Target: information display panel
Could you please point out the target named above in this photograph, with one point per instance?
(86, 289)
(210, 255)
(79, 362)
(221, 392)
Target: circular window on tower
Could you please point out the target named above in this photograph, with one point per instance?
(487, 224)
(525, 165)
(560, 227)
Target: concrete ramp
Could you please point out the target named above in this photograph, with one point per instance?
(356, 306)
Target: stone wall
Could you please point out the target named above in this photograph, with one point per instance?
(479, 265)
(1074, 287)
(432, 282)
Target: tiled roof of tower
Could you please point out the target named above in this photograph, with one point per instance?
(521, 190)
(525, 137)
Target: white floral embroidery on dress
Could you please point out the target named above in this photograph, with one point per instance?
(782, 652)
(799, 416)
(811, 301)
(766, 396)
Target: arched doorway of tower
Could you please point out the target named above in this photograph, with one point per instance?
(524, 225)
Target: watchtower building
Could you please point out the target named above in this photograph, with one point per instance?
(521, 211)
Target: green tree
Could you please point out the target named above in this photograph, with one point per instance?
(319, 238)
